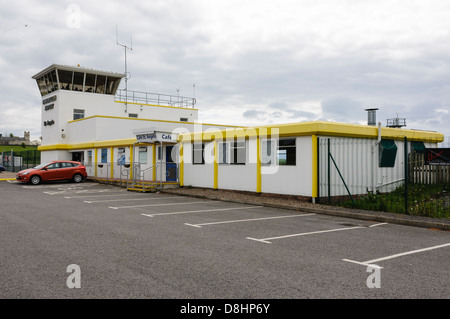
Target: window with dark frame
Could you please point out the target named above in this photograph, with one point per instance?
(286, 153)
(78, 114)
(238, 152)
(223, 152)
(198, 150)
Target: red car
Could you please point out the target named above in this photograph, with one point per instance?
(55, 170)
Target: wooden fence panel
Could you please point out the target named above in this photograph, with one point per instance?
(427, 174)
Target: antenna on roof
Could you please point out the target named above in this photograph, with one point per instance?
(127, 74)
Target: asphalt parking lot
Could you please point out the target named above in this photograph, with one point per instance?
(134, 245)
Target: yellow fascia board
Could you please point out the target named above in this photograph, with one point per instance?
(145, 104)
(316, 128)
(98, 144)
(151, 120)
(228, 134)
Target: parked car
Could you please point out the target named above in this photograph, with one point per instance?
(2, 169)
(55, 170)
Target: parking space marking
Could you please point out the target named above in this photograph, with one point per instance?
(114, 194)
(267, 240)
(62, 186)
(245, 220)
(128, 199)
(151, 205)
(82, 191)
(373, 261)
(202, 211)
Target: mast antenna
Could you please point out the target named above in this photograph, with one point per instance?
(127, 74)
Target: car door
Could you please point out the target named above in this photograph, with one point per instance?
(67, 169)
(51, 172)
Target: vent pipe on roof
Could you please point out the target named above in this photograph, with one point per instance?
(372, 116)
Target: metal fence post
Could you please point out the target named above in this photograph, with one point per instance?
(406, 175)
(329, 174)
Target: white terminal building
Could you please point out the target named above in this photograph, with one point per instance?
(155, 138)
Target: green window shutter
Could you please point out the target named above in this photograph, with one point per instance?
(418, 147)
(388, 153)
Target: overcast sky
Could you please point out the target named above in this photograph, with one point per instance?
(252, 62)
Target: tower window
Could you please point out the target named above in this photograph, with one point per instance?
(78, 114)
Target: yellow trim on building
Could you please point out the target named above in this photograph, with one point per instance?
(181, 165)
(96, 162)
(258, 165)
(150, 120)
(315, 171)
(315, 128)
(88, 145)
(112, 161)
(131, 161)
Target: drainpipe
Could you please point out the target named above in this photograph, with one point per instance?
(375, 160)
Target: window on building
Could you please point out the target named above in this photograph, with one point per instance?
(111, 85)
(198, 150)
(53, 80)
(286, 153)
(48, 83)
(268, 151)
(89, 157)
(42, 86)
(78, 81)
(121, 156)
(65, 79)
(104, 156)
(158, 153)
(238, 152)
(89, 85)
(132, 115)
(224, 152)
(142, 155)
(78, 114)
(100, 84)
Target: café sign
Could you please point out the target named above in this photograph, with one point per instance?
(143, 136)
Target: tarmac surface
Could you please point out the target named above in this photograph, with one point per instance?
(298, 205)
(295, 204)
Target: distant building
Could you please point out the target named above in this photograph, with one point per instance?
(15, 140)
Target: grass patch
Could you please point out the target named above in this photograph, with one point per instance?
(423, 200)
(16, 148)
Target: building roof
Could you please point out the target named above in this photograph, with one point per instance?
(77, 69)
(320, 128)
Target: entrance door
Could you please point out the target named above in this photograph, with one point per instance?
(78, 156)
(171, 166)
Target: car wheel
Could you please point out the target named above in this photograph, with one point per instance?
(35, 180)
(77, 178)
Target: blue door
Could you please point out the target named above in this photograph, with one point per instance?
(171, 166)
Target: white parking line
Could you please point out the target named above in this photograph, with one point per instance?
(114, 194)
(152, 205)
(267, 240)
(202, 211)
(245, 220)
(62, 186)
(128, 199)
(82, 191)
(370, 262)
